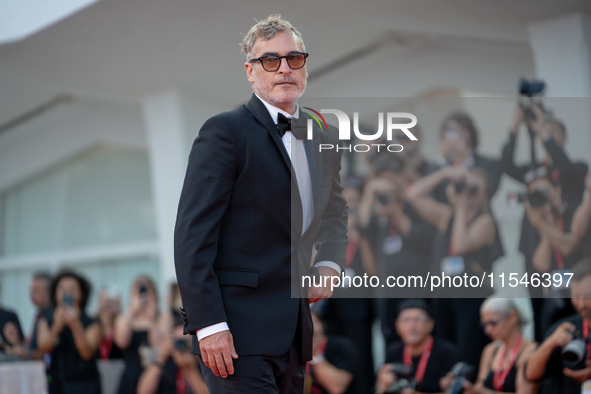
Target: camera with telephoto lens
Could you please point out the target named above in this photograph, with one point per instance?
(462, 185)
(405, 378)
(574, 353)
(530, 89)
(461, 372)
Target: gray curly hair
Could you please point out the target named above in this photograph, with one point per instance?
(266, 30)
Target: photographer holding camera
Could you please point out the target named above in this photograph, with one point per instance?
(458, 146)
(552, 133)
(502, 362)
(397, 233)
(419, 361)
(335, 364)
(174, 370)
(553, 247)
(563, 359)
(466, 242)
(567, 174)
(582, 219)
(70, 337)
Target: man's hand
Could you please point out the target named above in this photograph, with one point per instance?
(581, 375)
(316, 294)
(538, 216)
(562, 335)
(217, 352)
(386, 378)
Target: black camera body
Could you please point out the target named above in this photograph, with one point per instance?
(181, 345)
(536, 198)
(405, 378)
(461, 373)
(462, 186)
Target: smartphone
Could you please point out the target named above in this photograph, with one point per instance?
(181, 345)
(68, 300)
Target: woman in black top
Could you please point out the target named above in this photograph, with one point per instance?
(135, 330)
(466, 242)
(502, 362)
(71, 338)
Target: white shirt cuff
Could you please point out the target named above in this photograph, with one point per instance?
(329, 264)
(210, 330)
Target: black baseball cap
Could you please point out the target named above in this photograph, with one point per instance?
(415, 303)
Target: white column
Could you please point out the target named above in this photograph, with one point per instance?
(562, 53)
(168, 150)
(172, 121)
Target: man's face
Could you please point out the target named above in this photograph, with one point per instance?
(279, 88)
(39, 293)
(581, 296)
(413, 326)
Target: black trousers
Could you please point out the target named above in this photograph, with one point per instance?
(261, 374)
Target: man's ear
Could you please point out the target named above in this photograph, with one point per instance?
(249, 71)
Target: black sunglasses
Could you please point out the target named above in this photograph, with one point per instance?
(493, 322)
(295, 61)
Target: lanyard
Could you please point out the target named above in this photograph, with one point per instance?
(351, 251)
(557, 256)
(422, 367)
(501, 374)
(586, 335)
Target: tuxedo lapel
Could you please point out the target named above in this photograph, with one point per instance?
(259, 111)
(313, 156)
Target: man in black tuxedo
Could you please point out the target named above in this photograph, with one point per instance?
(257, 197)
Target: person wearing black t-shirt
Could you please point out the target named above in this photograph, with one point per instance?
(546, 362)
(467, 242)
(396, 233)
(555, 247)
(581, 225)
(429, 359)
(568, 175)
(335, 364)
(70, 337)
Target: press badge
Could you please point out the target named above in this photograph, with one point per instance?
(452, 265)
(392, 244)
(557, 284)
(586, 387)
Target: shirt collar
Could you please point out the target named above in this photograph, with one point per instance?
(274, 111)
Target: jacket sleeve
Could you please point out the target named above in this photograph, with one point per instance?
(573, 173)
(508, 160)
(205, 196)
(332, 238)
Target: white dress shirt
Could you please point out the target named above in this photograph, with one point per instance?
(297, 154)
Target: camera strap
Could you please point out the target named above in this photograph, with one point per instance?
(422, 367)
(500, 373)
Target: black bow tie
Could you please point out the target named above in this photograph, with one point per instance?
(284, 125)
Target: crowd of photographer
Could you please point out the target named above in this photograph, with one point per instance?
(409, 215)
(148, 340)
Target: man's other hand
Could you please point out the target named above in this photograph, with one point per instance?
(316, 294)
(217, 352)
(581, 375)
